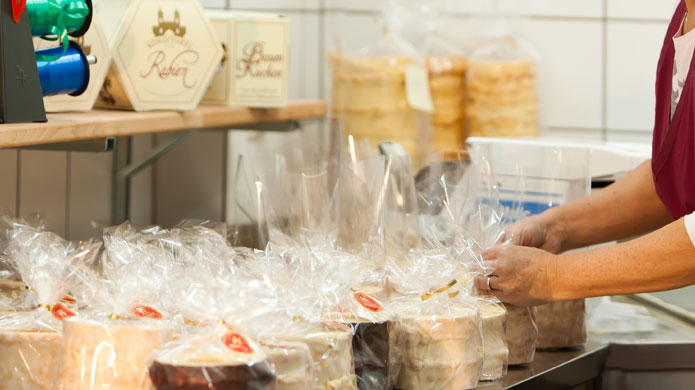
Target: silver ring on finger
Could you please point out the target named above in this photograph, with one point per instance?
(488, 284)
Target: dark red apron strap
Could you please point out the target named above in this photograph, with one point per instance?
(666, 76)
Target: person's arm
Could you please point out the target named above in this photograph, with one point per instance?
(624, 209)
(662, 260)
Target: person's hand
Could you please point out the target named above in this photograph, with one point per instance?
(520, 276)
(535, 232)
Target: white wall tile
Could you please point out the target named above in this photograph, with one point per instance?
(571, 63)
(644, 137)
(555, 8)
(585, 135)
(351, 31)
(633, 53)
(355, 5)
(89, 194)
(305, 61)
(642, 9)
(8, 176)
(309, 5)
(213, 3)
(42, 187)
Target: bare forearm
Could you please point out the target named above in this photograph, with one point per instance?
(662, 260)
(627, 208)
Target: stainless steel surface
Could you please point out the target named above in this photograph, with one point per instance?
(562, 369)
(656, 304)
(620, 361)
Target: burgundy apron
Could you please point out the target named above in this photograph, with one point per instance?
(673, 148)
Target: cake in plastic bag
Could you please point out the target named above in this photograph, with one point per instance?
(212, 358)
(495, 351)
(561, 324)
(292, 362)
(30, 333)
(503, 92)
(442, 351)
(107, 346)
(522, 334)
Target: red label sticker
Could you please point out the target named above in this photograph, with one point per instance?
(18, 6)
(61, 312)
(369, 303)
(67, 298)
(236, 343)
(143, 311)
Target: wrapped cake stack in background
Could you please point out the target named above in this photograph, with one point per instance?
(447, 83)
(503, 82)
(502, 93)
(422, 24)
(407, 86)
(369, 94)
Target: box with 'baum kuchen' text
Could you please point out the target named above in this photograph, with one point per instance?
(255, 68)
(165, 53)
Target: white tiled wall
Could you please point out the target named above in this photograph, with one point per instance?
(599, 59)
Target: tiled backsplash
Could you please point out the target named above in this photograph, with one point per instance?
(599, 59)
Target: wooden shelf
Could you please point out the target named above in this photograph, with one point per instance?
(110, 123)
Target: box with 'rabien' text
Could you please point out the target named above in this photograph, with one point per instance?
(255, 69)
(165, 53)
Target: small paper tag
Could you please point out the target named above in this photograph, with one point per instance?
(143, 311)
(237, 343)
(417, 88)
(369, 303)
(61, 312)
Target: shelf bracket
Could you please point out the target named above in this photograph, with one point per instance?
(155, 154)
(124, 169)
(97, 145)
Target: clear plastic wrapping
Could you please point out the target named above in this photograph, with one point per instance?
(370, 96)
(212, 358)
(107, 346)
(561, 324)
(292, 362)
(208, 353)
(360, 202)
(330, 344)
(28, 358)
(522, 334)
(100, 353)
(495, 350)
(30, 333)
(376, 344)
(443, 348)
